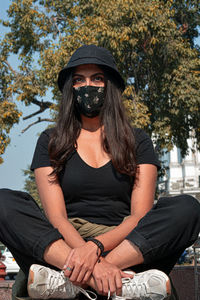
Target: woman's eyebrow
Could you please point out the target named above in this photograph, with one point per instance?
(76, 74)
(99, 73)
(95, 74)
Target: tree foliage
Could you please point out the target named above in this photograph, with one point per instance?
(8, 116)
(152, 42)
(30, 185)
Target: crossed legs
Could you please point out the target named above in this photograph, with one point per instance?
(171, 226)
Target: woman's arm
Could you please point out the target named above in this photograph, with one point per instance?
(142, 199)
(53, 203)
(84, 255)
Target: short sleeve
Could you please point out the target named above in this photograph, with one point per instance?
(41, 155)
(145, 153)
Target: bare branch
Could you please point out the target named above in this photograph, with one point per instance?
(36, 122)
(11, 69)
(53, 21)
(33, 114)
(41, 104)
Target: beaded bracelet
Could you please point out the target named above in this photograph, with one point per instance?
(99, 245)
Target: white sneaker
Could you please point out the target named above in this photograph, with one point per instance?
(148, 285)
(45, 283)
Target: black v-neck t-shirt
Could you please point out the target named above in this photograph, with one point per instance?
(100, 195)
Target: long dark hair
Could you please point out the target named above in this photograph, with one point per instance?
(117, 137)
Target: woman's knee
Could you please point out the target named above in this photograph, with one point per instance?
(186, 210)
(4, 196)
(4, 204)
(181, 209)
(9, 203)
(188, 205)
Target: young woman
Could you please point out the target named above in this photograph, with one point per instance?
(96, 179)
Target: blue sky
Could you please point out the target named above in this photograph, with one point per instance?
(20, 151)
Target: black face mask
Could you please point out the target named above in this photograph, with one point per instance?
(89, 100)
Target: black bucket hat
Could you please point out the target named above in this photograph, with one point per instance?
(91, 54)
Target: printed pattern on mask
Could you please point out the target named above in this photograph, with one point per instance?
(89, 100)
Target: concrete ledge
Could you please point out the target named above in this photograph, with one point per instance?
(5, 289)
(184, 282)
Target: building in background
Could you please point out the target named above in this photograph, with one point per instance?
(182, 175)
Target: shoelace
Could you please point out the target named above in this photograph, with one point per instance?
(132, 287)
(87, 293)
(54, 286)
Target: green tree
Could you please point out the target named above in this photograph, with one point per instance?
(9, 115)
(30, 185)
(152, 42)
(187, 18)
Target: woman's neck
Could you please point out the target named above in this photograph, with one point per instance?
(90, 124)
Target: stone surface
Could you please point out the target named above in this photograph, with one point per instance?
(183, 280)
(5, 289)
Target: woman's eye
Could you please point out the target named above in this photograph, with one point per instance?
(77, 80)
(99, 78)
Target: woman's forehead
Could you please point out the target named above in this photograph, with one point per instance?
(87, 68)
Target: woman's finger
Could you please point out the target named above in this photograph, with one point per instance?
(118, 283)
(129, 274)
(81, 275)
(87, 276)
(112, 285)
(99, 286)
(68, 267)
(105, 286)
(75, 273)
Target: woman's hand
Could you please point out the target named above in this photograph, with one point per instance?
(108, 278)
(80, 263)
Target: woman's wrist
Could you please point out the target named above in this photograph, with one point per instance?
(100, 246)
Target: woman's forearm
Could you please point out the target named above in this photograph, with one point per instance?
(113, 238)
(69, 233)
